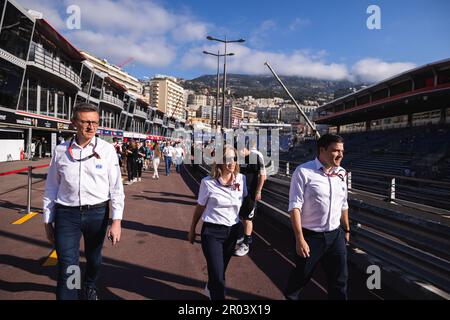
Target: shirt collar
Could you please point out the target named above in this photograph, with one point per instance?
(319, 166)
(91, 143)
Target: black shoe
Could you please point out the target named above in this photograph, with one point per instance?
(90, 294)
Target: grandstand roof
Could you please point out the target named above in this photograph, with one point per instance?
(58, 40)
(392, 105)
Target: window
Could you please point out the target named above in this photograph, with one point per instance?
(85, 79)
(15, 35)
(96, 89)
(10, 83)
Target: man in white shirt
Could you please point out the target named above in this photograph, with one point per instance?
(319, 214)
(179, 156)
(83, 177)
(169, 153)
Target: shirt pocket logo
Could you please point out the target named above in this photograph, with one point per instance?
(99, 166)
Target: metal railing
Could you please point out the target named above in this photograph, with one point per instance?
(391, 187)
(409, 247)
(140, 113)
(113, 100)
(45, 59)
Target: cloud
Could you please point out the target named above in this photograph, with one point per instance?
(251, 61)
(50, 10)
(259, 37)
(152, 52)
(304, 63)
(299, 23)
(190, 31)
(118, 29)
(375, 70)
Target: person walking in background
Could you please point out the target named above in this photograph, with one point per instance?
(132, 155)
(219, 200)
(255, 173)
(319, 214)
(179, 156)
(140, 160)
(168, 153)
(156, 160)
(83, 178)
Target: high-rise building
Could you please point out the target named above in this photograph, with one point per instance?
(168, 96)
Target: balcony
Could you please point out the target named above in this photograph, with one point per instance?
(158, 121)
(113, 100)
(45, 60)
(141, 114)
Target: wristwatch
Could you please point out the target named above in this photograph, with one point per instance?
(346, 231)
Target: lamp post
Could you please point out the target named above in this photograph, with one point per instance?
(218, 55)
(225, 41)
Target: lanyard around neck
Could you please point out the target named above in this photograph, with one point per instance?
(94, 154)
(341, 173)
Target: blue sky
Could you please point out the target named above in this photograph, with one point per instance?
(322, 39)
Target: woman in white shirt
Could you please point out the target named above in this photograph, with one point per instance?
(219, 200)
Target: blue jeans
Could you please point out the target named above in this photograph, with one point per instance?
(70, 224)
(218, 242)
(168, 164)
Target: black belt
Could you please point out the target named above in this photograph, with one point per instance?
(316, 233)
(85, 207)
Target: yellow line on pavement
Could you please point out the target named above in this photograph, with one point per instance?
(52, 259)
(25, 218)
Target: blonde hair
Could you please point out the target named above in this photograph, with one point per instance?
(216, 169)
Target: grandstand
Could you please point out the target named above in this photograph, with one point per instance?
(396, 129)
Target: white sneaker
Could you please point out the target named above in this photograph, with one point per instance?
(128, 183)
(139, 179)
(242, 250)
(240, 241)
(135, 180)
(208, 294)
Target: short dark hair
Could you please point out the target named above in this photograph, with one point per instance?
(327, 139)
(83, 107)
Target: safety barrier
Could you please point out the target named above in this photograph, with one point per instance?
(29, 170)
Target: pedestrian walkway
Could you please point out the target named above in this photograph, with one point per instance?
(153, 260)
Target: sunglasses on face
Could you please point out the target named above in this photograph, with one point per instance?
(230, 159)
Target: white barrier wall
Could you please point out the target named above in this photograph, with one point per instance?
(10, 149)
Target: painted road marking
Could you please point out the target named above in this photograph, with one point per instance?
(25, 218)
(52, 259)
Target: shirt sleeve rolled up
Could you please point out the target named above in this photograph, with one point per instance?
(296, 191)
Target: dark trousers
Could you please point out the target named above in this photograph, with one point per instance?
(329, 249)
(131, 168)
(168, 161)
(70, 224)
(139, 165)
(218, 242)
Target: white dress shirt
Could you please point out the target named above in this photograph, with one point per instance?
(222, 202)
(77, 183)
(319, 197)
(169, 151)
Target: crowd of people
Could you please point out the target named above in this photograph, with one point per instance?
(136, 156)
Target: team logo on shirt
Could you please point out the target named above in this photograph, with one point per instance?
(99, 166)
(236, 186)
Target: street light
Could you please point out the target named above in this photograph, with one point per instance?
(218, 55)
(225, 41)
